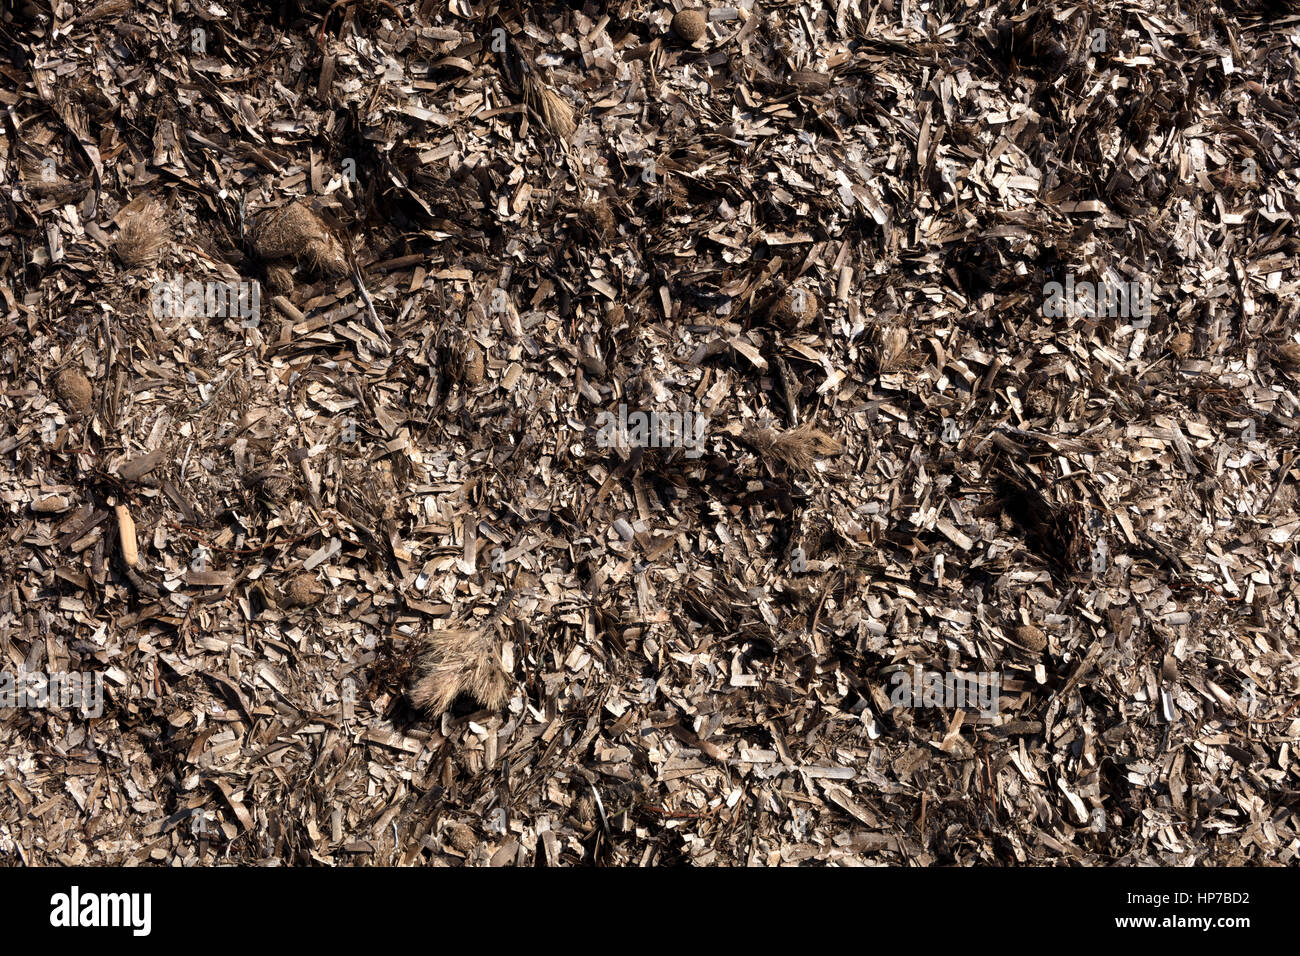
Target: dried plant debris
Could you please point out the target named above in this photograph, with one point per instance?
(689, 25)
(460, 661)
(1055, 531)
(142, 235)
(74, 389)
(554, 110)
(798, 447)
(293, 233)
(751, 434)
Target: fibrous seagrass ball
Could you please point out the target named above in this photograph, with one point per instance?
(475, 367)
(1031, 637)
(294, 233)
(689, 25)
(73, 389)
(462, 359)
(598, 219)
(460, 660)
(795, 307)
(279, 279)
(300, 592)
(142, 236)
(461, 838)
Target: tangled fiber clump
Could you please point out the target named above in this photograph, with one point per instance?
(296, 234)
(142, 235)
(456, 661)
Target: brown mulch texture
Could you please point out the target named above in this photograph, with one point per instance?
(366, 586)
